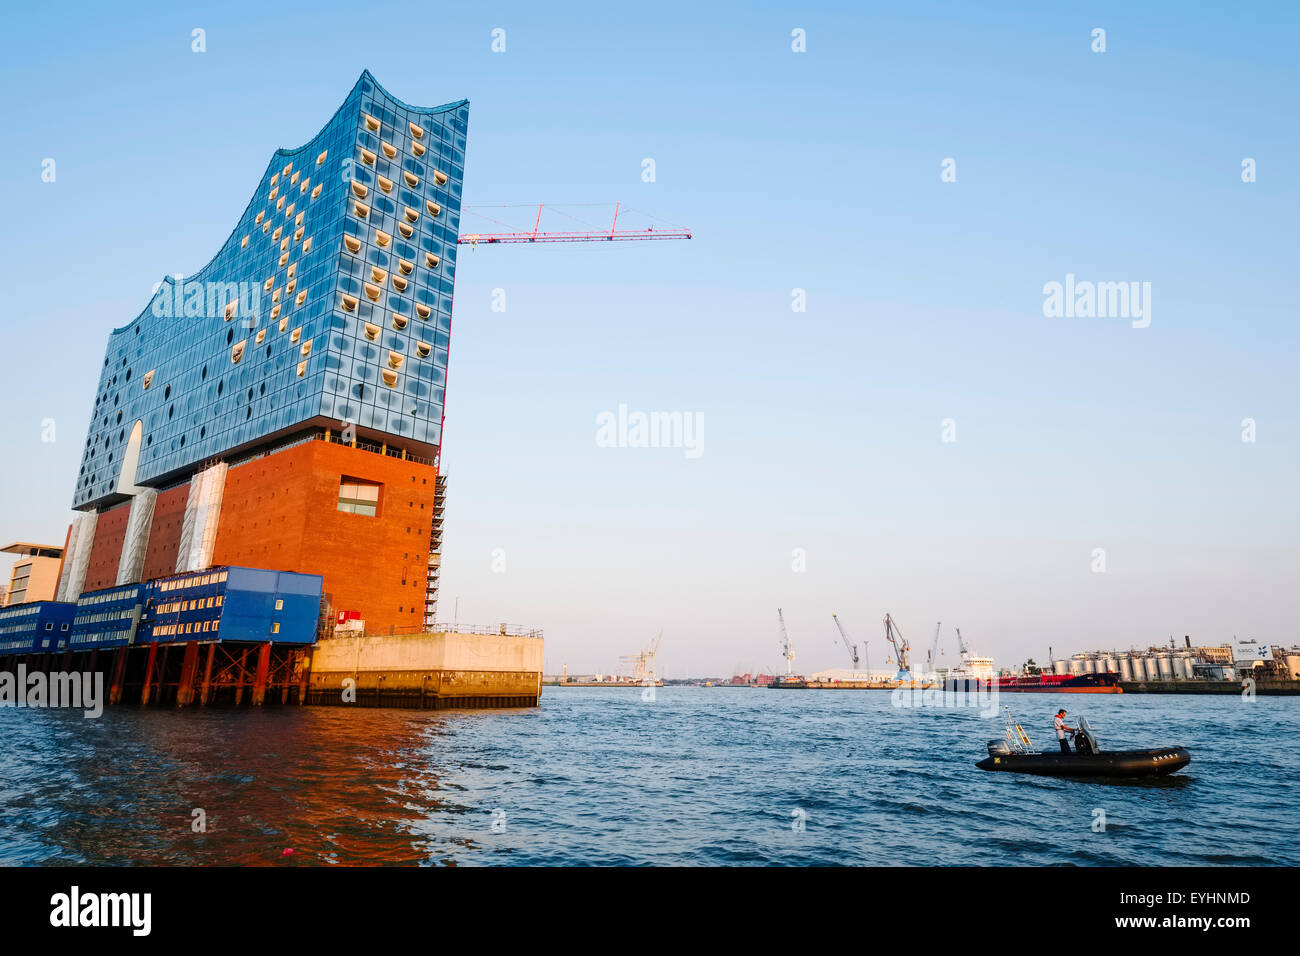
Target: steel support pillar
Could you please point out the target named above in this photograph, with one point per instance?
(148, 674)
(259, 680)
(206, 694)
(189, 665)
(243, 675)
(118, 674)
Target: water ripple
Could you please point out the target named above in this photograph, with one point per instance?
(598, 777)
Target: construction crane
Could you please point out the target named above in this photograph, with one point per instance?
(787, 649)
(644, 663)
(901, 647)
(930, 659)
(853, 648)
(612, 234)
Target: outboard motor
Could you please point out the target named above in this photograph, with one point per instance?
(999, 748)
(1084, 741)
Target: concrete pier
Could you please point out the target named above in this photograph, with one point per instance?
(1270, 688)
(430, 670)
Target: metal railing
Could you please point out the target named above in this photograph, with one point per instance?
(370, 446)
(443, 627)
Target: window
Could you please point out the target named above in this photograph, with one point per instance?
(358, 497)
(275, 628)
(279, 604)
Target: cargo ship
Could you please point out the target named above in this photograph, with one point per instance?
(1060, 683)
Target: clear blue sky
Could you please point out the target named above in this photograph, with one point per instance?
(818, 171)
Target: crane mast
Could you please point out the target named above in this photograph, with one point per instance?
(612, 234)
(787, 649)
(901, 647)
(931, 661)
(962, 649)
(853, 648)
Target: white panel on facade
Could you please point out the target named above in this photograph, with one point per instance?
(76, 559)
(202, 515)
(135, 542)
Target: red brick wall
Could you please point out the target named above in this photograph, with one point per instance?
(281, 512)
(165, 532)
(106, 553)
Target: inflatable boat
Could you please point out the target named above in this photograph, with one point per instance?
(1086, 760)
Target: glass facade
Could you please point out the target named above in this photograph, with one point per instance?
(330, 301)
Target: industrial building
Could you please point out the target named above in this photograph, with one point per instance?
(1162, 664)
(262, 457)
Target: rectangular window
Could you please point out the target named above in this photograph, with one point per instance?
(279, 604)
(358, 497)
(275, 628)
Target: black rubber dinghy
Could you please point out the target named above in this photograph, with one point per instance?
(1117, 763)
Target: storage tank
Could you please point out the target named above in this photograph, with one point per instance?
(1149, 669)
(1125, 669)
(1108, 663)
(1061, 667)
(1076, 666)
(1089, 666)
(1166, 667)
(1182, 667)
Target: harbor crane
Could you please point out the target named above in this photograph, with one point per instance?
(962, 649)
(644, 663)
(787, 649)
(853, 648)
(901, 647)
(931, 661)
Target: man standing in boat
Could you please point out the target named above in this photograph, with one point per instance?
(1061, 730)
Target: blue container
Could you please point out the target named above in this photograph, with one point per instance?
(232, 604)
(108, 617)
(40, 627)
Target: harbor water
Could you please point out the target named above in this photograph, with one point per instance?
(729, 776)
